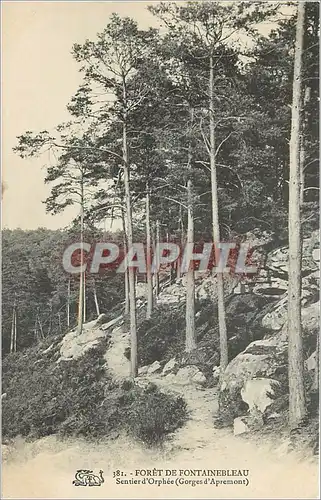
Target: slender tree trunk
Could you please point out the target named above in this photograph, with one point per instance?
(316, 378)
(148, 258)
(131, 274)
(68, 304)
(96, 300)
(81, 277)
(12, 329)
(302, 144)
(84, 295)
(216, 227)
(50, 321)
(190, 340)
(40, 327)
(171, 265)
(36, 330)
(126, 292)
(59, 323)
(126, 272)
(157, 238)
(297, 405)
(13, 336)
(181, 231)
(15, 329)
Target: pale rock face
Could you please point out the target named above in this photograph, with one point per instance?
(277, 260)
(189, 374)
(141, 290)
(169, 367)
(154, 368)
(199, 378)
(261, 359)
(275, 319)
(311, 362)
(143, 370)
(257, 238)
(240, 426)
(257, 394)
(173, 294)
(104, 325)
(316, 255)
(275, 288)
(73, 345)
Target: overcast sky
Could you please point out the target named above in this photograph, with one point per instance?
(38, 78)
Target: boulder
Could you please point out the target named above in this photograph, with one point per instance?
(258, 394)
(169, 367)
(143, 370)
(199, 378)
(266, 359)
(311, 362)
(258, 238)
(262, 359)
(316, 255)
(311, 318)
(173, 294)
(74, 346)
(240, 426)
(141, 290)
(154, 368)
(101, 322)
(273, 288)
(190, 374)
(275, 319)
(277, 260)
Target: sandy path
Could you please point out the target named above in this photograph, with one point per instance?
(46, 468)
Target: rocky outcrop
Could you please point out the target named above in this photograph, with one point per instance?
(73, 345)
(154, 368)
(240, 425)
(266, 359)
(263, 359)
(277, 260)
(258, 394)
(170, 366)
(189, 374)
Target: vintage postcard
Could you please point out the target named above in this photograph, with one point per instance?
(160, 249)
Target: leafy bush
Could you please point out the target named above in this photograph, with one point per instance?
(80, 398)
(153, 415)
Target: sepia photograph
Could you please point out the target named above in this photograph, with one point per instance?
(160, 249)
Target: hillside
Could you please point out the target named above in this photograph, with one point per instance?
(75, 390)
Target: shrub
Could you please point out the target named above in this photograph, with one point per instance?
(80, 398)
(153, 415)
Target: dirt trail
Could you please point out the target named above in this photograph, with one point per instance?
(46, 468)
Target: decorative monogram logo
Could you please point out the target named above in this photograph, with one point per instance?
(84, 477)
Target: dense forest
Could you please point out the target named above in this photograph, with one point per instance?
(184, 133)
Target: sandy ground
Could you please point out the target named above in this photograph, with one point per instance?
(46, 468)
